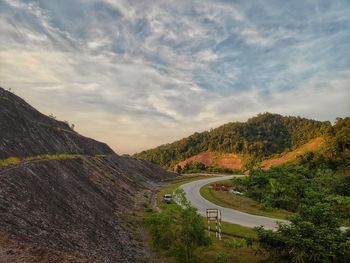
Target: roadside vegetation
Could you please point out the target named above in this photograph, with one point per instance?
(316, 186)
(240, 202)
(232, 247)
(178, 231)
(198, 167)
(314, 236)
(314, 189)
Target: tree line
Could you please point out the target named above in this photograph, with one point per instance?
(316, 186)
(260, 137)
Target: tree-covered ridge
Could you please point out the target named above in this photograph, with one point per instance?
(317, 187)
(261, 136)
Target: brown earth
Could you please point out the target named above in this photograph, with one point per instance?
(233, 161)
(226, 160)
(312, 145)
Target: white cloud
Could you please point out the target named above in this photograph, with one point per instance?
(137, 74)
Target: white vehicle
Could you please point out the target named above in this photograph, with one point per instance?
(235, 192)
(167, 198)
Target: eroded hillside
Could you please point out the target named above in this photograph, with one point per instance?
(67, 198)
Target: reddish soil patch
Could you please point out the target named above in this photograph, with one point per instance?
(227, 160)
(221, 187)
(312, 145)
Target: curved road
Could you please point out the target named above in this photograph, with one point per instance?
(228, 215)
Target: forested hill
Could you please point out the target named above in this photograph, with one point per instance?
(260, 137)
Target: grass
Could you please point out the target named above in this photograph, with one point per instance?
(15, 160)
(229, 231)
(242, 254)
(241, 203)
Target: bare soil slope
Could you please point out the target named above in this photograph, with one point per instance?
(227, 160)
(72, 209)
(312, 145)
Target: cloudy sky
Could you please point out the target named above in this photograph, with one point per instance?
(137, 74)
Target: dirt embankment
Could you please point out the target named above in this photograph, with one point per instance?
(234, 161)
(312, 145)
(75, 207)
(226, 160)
(66, 209)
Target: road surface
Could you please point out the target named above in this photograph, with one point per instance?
(228, 215)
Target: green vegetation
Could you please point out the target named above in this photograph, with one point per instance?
(15, 160)
(241, 203)
(198, 167)
(229, 231)
(227, 228)
(313, 236)
(9, 161)
(290, 186)
(258, 138)
(314, 177)
(316, 187)
(178, 231)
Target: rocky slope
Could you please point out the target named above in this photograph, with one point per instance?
(65, 207)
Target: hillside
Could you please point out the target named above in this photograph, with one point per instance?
(65, 197)
(226, 160)
(310, 146)
(233, 161)
(259, 138)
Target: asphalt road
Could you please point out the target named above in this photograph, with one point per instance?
(228, 215)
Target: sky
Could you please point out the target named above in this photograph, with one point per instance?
(137, 74)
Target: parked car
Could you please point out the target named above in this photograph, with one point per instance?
(167, 198)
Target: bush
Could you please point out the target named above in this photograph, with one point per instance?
(235, 243)
(222, 257)
(313, 236)
(178, 231)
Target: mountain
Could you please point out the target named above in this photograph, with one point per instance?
(65, 197)
(259, 138)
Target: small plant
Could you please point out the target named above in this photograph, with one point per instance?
(10, 160)
(222, 257)
(15, 160)
(235, 243)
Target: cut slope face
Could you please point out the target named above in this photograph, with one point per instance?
(66, 209)
(228, 160)
(75, 206)
(26, 132)
(313, 145)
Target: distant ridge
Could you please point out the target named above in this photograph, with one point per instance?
(257, 139)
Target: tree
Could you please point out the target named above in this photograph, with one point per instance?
(179, 169)
(179, 230)
(313, 236)
(190, 236)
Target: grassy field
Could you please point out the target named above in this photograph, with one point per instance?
(219, 248)
(241, 203)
